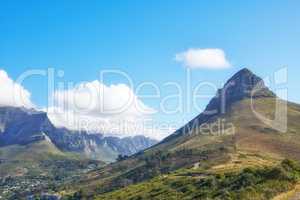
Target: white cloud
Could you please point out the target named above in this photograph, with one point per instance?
(111, 110)
(12, 93)
(203, 58)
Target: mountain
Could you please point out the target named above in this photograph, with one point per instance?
(235, 149)
(239, 87)
(36, 155)
(24, 126)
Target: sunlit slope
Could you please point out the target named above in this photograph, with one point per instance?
(247, 131)
(256, 145)
(235, 129)
(39, 158)
(260, 181)
(253, 134)
(22, 158)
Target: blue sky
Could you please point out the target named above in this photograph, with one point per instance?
(142, 38)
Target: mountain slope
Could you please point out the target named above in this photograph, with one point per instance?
(227, 129)
(22, 126)
(250, 183)
(36, 156)
(38, 166)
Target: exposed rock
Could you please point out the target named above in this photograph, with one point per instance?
(244, 84)
(23, 126)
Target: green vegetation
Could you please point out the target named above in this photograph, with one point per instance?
(38, 167)
(211, 154)
(147, 166)
(250, 183)
(248, 162)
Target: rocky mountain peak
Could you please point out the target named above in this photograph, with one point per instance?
(243, 84)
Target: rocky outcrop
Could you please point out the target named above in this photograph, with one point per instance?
(244, 84)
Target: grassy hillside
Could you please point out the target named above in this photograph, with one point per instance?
(250, 137)
(250, 183)
(209, 157)
(36, 166)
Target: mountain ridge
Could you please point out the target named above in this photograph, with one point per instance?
(23, 126)
(188, 148)
(249, 159)
(238, 87)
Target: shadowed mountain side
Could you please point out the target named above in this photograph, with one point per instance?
(22, 126)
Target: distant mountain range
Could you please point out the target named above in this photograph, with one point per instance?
(34, 154)
(21, 126)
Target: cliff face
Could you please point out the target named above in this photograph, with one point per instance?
(22, 126)
(243, 84)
